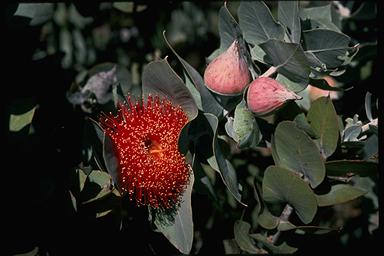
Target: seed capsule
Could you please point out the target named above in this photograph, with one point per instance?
(228, 73)
(265, 95)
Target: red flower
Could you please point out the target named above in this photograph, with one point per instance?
(145, 138)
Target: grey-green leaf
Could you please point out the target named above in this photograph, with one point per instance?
(302, 123)
(274, 151)
(290, 85)
(194, 92)
(289, 59)
(352, 132)
(320, 16)
(99, 177)
(245, 129)
(110, 160)
(282, 185)
(203, 184)
(209, 103)
(229, 127)
(288, 14)
(231, 247)
(257, 22)
(368, 106)
(228, 28)
(220, 164)
(73, 200)
(339, 194)
(18, 121)
(37, 12)
(267, 220)
(82, 179)
(33, 252)
(326, 47)
(241, 230)
(323, 119)
(258, 54)
(296, 151)
(161, 80)
(180, 232)
(128, 7)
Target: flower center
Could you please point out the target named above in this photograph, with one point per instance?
(153, 146)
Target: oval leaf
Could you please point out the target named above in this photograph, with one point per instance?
(100, 178)
(258, 54)
(296, 151)
(274, 151)
(18, 121)
(320, 16)
(257, 22)
(37, 12)
(231, 247)
(323, 119)
(339, 194)
(241, 231)
(368, 106)
(203, 184)
(245, 129)
(192, 89)
(180, 232)
(111, 161)
(267, 220)
(129, 7)
(288, 14)
(290, 85)
(281, 185)
(289, 59)
(209, 103)
(220, 164)
(326, 47)
(160, 79)
(228, 28)
(302, 123)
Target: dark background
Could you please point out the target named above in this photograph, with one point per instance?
(36, 168)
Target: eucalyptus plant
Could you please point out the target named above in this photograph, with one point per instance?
(318, 158)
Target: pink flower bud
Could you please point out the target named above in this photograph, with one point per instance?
(265, 95)
(228, 73)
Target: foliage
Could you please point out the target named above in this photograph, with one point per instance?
(257, 182)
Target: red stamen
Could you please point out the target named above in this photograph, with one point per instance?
(145, 136)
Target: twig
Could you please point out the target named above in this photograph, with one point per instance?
(283, 217)
(269, 72)
(365, 127)
(343, 11)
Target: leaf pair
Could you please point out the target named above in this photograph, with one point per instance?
(289, 48)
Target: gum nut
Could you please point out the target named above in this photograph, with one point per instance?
(228, 73)
(265, 95)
